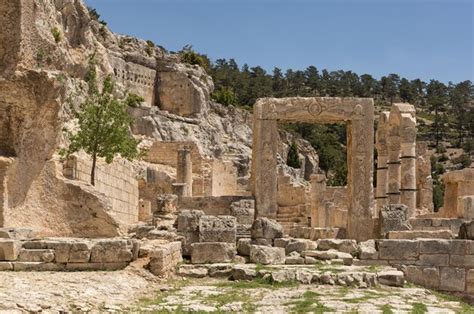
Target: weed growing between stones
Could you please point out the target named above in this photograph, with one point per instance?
(386, 309)
(309, 303)
(419, 308)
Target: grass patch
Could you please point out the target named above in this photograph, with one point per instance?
(358, 299)
(374, 268)
(309, 303)
(419, 308)
(386, 309)
(465, 307)
(231, 296)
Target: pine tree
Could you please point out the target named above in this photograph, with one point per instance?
(293, 158)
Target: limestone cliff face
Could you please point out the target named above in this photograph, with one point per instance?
(45, 49)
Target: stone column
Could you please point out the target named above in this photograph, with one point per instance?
(4, 165)
(184, 171)
(382, 159)
(408, 162)
(394, 170)
(318, 186)
(264, 160)
(424, 181)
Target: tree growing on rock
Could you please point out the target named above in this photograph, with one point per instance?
(293, 158)
(103, 125)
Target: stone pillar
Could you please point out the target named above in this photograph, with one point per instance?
(394, 163)
(4, 165)
(264, 160)
(408, 160)
(318, 187)
(360, 161)
(184, 171)
(382, 159)
(424, 181)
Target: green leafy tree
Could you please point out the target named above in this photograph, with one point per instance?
(225, 96)
(103, 126)
(293, 159)
(436, 93)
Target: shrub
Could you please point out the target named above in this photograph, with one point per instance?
(464, 161)
(133, 100)
(56, 34)
(293, 158)
(149, 48)
(189, 56)
(225, 96)
(440, 149)
(443, 158)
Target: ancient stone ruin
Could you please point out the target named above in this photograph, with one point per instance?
(213, 196)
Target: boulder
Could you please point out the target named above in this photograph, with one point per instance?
(212, 252)
(217, 229)
(367, 250)
(266, 228)
(341, 245)
(267, 255)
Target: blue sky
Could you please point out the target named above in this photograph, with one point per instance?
(415, 38)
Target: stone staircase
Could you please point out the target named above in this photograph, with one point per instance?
(290, 217)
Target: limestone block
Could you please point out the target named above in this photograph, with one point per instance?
(220, 270)
(462, 261)
(243, 273)
(212, 252)
(217, 229)
(431, 277)
(243, 246)
(188, 220)
(111, 251)
(393, 278)
(342, 245)
(300, 245)
(466, 231)
(283, 275)
(192, 271)
(398, 249)
(415, 275)
(435, 246)
(452, 279)
(394, 217)
(188, 239)
(166, 204)
(40, 255)
(266, 228)
(470, 281)
(96, 266)
(9, 249)
(433, 259)
(267, 255)
(164, 258)
(6, 266)
(294, 259)
(331, 254)
(367, 250)
(38, 266)
(420, 234)
(244, 211)
(16, 233)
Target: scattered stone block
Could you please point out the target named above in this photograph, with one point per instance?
(368, 251)
(394, 217)
(267, 255)
(243, 246)
(283, 275)
(240, 259)
(212, 252)
(452, 279)
(9, 249)
(192, 271)
(341, 245)
(394, 278)
(188, 220)
(398, 249)
(294, 259)
(266, 228)
(217, 229)
(243, 273)
(243, 211)
(164, 258)
(308, 260)
(220, 270)
(304, 277)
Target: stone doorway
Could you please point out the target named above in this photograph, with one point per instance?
(357, 113)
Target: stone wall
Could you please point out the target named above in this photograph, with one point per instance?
(224, 178)
(446, 265)
(135, 78)
(116, 180)
(215, 206)
(437, 224)
(459, 185)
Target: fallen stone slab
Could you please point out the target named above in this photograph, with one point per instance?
(266, 228)
(394, 278)
(283, 275)
(192, 271)
(267, 255)
(212, 252)
(330, 255)
(341, 245)
(241, 272)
